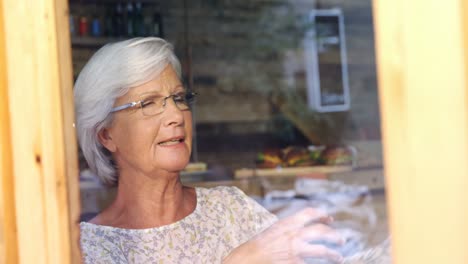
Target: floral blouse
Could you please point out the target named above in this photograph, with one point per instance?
(223, 219)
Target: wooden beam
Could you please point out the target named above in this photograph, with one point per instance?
(8, 240)
(42, 137)
(422, 69)
(71, 149)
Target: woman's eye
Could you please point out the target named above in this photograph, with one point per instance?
(179, 98)
(189, 97)
(147, 103)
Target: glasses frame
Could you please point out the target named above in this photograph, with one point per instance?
(139, 103)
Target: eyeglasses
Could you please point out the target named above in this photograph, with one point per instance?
(153, 104)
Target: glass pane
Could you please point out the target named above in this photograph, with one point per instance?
(287, 106)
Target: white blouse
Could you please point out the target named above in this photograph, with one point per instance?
(223, 219)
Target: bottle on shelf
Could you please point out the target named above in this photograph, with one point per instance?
(83, 26)
(119, 24)
(109, 26)
(72, 25)
(148, 24)
(130, 20)
(157, 24)
(138, 23)
(96, 28)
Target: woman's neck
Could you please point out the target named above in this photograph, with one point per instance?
(144, 202)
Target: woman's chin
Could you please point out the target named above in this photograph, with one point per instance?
(176, 168)
(173, 165)
(172, 159)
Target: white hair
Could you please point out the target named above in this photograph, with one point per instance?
(109, 74)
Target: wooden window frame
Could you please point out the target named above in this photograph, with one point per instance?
(422, 51)
(39, 174)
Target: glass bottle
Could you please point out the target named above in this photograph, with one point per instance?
(72, 25)
(109, 25)
(119, 21)
(130, 20)
(158, 23)
(96, 29)
(83, 26)
(138, 24)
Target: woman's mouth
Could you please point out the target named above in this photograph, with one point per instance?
(171, 142)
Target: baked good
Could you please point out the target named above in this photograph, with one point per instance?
(269, 159)
(298, 157)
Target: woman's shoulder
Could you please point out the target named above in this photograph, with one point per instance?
(223, 193)
(224, 198)
(97, 244)
(235, 201)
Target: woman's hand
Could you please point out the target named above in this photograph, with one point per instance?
(290, 241)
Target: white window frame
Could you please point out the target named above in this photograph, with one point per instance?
(312, 64)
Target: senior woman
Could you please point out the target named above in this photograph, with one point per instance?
(135, 130)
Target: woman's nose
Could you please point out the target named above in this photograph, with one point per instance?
(172, 113)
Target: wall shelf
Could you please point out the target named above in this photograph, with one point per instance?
(99, 2)
(92, 42)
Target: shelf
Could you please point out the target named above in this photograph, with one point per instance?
(109, 2)
(294, 171)
(194, 176)
(92, 42)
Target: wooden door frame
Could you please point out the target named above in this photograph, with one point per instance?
(39, 180)
(422, 70)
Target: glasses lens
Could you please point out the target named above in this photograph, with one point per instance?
(152, 105)
(190, 97)
(184, 101)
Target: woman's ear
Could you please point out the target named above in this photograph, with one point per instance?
(105, 139)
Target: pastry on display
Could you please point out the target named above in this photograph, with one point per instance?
(337, 156)
(297, 156)
(269, 159)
